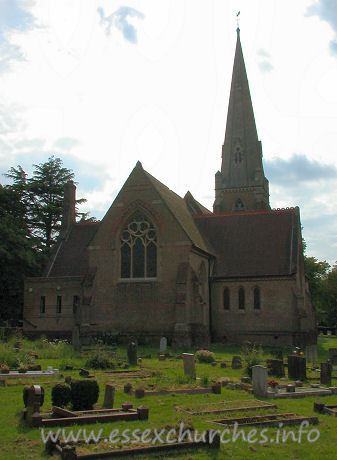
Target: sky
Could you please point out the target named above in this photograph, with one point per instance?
(102, 84)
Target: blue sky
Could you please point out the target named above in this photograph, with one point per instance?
(103, 84)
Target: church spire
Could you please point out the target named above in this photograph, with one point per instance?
(241, 184)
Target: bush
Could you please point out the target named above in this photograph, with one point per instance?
(84, 394)
(205, 356)
(252, 356)
(98, 361)
(60, 395)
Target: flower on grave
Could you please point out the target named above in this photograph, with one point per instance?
(273, 383)
(301, 353)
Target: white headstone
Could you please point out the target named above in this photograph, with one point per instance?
(189, 364)
(163, 344)
(260, 381)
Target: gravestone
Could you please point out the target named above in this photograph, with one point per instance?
(236, 362)
(189, 364)
(34, 400)
(296, 367)
(290, 388)
(275, 367)
(132, 354)
(139, 392)
(163, 345)
(109, 396)
(128, 388)
(259, 376)
(333, 356)
(326, 369)
(311, 353)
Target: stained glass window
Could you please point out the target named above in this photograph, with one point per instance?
(139, 248)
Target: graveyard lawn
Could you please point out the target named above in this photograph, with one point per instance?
(18, 440)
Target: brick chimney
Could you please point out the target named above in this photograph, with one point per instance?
(68, 217)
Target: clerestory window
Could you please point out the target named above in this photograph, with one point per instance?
(139, 248)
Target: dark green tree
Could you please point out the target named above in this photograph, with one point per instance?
(19, 256)
(329, 298)
(42, 195)
(30, 219)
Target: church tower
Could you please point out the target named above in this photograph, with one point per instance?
(241, 184)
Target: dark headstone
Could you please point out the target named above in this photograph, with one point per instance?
(333, 356)
(319, 407)
(236, 362)
(139, 392)
(143, 412)
(68, 379)
(296, 367)
(216, 388)
(127, 406)
(275, 367)
(109, 396)
(132, 354)
(223, 365)
(326, 371)
(127, 388)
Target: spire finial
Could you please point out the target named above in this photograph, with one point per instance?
(238, 22)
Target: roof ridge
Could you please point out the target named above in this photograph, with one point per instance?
(243, 213)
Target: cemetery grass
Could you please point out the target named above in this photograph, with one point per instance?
(20, 441)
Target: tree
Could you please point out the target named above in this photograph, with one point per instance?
(30, 220)
(19, 256)
(42, 195)
(329, 297)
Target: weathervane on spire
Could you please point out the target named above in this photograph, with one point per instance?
(238, 20)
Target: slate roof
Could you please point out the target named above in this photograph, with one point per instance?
(70, 257)
(257, 243)
(179, 209)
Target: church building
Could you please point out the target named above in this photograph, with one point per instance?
(161, 265)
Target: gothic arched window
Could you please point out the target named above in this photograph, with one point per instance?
(257, 298)
(241, 298)
(139, 248)
(226, 299)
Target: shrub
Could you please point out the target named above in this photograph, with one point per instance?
(60, 395)
(84, 394)
(98, 361)
(205, 356)
(252, 356)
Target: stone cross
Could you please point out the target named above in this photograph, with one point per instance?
(326, 369)
(132, 354)
(260, 381)
(189, 365)
(163, 344)
(109, 396)
(296, 367)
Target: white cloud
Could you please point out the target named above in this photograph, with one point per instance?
(119, 19)
(327, 11)
(15, 17)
